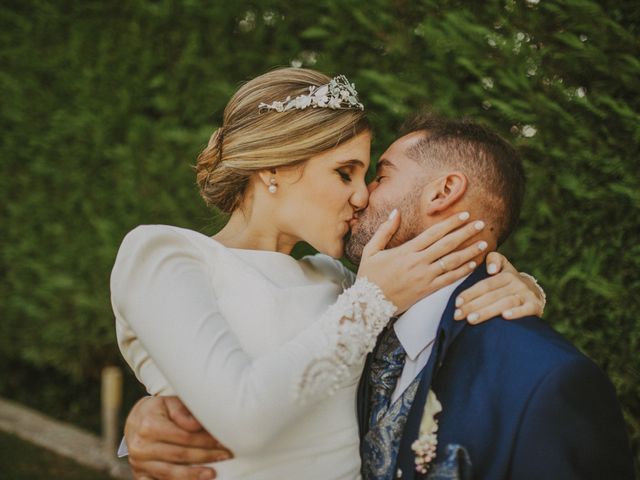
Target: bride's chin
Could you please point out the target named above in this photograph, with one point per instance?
(337, 249)
(333, 248)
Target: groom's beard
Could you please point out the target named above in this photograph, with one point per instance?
(370, 220)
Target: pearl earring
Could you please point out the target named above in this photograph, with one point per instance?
(273, 187)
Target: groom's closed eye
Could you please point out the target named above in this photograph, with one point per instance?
(383, 170)
(381, 174)
(379, 178)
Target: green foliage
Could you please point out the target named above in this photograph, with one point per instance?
(105, 106)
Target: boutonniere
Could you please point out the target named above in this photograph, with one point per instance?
(425, 446)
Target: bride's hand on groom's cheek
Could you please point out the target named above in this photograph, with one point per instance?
(505, 293)
(165, 440)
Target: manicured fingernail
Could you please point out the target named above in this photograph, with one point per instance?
(208, 475)
(459, 301)
(464, 216)
(472, 317)
(479, 225)
(457, 314)
(483, 245)
(393, 214)
(472, 265)
(492, 268)
(508, 314)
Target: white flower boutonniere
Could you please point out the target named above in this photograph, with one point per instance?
(425, 446)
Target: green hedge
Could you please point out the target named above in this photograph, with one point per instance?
(105, 106)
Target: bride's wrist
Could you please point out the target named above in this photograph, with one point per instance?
(536, 288)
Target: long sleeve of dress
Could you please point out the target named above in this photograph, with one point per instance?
(161, 290)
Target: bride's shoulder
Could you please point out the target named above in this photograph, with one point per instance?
(332, 267)
(147, 241)
(144, 234)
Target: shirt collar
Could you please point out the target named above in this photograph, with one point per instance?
(417, 327)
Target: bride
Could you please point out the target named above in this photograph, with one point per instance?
(266, 350)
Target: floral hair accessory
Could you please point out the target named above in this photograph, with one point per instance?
(427, 442)
(338, 94)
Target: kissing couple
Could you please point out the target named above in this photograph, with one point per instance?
(277, 368)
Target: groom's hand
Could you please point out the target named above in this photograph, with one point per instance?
(165, 441)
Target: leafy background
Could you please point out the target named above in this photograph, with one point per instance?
(105, 105)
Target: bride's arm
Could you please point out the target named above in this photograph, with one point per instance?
(161, 288)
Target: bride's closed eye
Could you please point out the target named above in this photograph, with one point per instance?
(346, 177)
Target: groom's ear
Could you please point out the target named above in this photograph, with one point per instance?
(445, 192)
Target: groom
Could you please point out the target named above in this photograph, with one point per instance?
(518, 401)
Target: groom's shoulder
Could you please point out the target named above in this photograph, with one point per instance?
(528, 354)
(528, 341)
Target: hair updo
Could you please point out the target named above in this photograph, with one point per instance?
(250, 140)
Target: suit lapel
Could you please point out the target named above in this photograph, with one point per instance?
(448, 330)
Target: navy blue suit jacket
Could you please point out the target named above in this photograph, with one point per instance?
(521, 399)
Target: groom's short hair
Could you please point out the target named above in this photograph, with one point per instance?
(492, 165)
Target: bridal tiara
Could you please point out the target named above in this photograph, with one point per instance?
(338, 94)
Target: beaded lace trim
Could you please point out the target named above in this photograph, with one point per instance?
(543, 295)
(351, 327)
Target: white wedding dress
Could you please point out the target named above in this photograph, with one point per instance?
(265, 350)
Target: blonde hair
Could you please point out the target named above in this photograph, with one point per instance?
(250, 140)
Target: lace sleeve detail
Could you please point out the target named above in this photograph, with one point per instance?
(350, 328)
(543, 295)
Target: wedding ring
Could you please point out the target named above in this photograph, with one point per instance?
(442, 266)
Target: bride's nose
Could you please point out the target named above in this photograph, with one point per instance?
(360, 197)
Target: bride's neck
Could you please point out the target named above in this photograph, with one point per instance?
(245, 231)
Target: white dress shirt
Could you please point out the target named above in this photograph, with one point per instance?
(416, 329)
